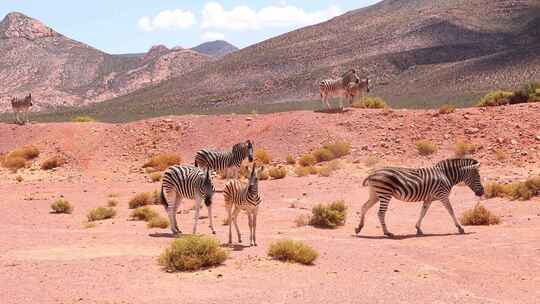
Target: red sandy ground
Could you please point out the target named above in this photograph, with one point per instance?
(49, 258)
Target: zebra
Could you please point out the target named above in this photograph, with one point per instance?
(239, 196)
(221, 161)
(347, 86)
(21, 105)
(189, 182)
(424, 184)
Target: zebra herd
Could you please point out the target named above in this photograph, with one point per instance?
(348, 86)
(411, 185)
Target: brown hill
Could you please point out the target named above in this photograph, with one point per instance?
(60, 71)
(416, 51)
(218, 48)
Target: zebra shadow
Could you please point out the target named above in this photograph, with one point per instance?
(408, 236)
(332, 111)
(235, 247)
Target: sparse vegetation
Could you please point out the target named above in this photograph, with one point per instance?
(290, 160)
(162, 161)
(18, 158)
(301, 171)
(500, 155)
(328, 168)
(143, 213)
(302, 220)
(14, 163)
(495, 98)
(112, 202)
(447, 109)
(329, 215)
(26, 152)
(519, 190)
(307, 160)
(155, 176)
(158, 222)
(292, 251)
(479, 215)
(192, 253)
(263, 157)
(277, 172)
(143, 199)
(339, 148)
(370, 103)
(263, 175)
(83, 118)
(61, 205)
(53, 162)
(426, 147)
(100, 213)
(463, 148)
(323, 154)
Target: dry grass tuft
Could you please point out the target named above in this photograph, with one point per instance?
(263, 175)
(100, 213)
(83, 119)
(155, 177)
(61, 205)
(463, 148)
(112, 202)
(329, 216)
(292, 251)
(158, 222)
(162, 161)
(192, 253)
(18, 158)
(323, 154)
(500, 155)
(519, 190)
(263, 157)
(302, 220)
(14, 163)
(426, 147)
(479, 215)
(143, 199)
(26, 152)
(339, 148)
(290, 160)
(447, 109)
(328, 168)
(277, 172)
(370, 103)
(53, 162)
(307, 160)
(301, 171)
(143, 214)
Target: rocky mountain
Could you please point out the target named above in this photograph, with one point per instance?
(417, 52)
(59, 71)
(218, 48)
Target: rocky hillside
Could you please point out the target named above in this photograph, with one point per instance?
(218, 48)
(62, 72)
(418, 52)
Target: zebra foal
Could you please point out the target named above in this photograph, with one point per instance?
(424, 184)
(21, 105)
(347, 86)
(222, 161)
(238, 197)
(186, 182)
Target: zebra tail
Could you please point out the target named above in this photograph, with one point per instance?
(366, 180)
(162, 199)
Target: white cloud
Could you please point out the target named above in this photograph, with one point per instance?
(244, 18)
(168, 20)
(211, 36)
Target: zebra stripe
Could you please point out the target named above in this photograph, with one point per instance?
(239, 196)
(186, 182)
(220, 161)
(424, 184)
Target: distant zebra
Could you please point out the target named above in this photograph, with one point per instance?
(424, 184)
(239, 196)
(222, 161)
(186, 182)
(347, 86)
(21, 105)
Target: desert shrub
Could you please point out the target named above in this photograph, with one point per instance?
(263, 175)
(531, 89)
(426, 147)
(155, 176)
(100, 213)
(307, 160)
(292, 251)
(330, 167)
(370, 103)
(112, 202)
(313, 170)
(143, 213)
(277, 172)
(263, 157)
(301, 171)
(143, 199)
(339, 148)
(500, 155)
(192, 253)
(53, 162)
(83, 119)
(493, 189)
(158, 222)
(479, 215)
(519, 190)
(162, 161)
(518, 97)
(323, 154)
(26, 152)
(329, 215)
(14, 163)
(447, 109)
(462, 148)
(290, 160)
(495, 98)
(302, 220)
(61, 205)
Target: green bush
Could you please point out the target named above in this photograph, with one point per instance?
(292, 251)
(329, 216)
(83, 119)
(192, 252)
(61, 205)
(495, 98)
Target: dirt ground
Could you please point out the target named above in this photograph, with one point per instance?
(51, 258)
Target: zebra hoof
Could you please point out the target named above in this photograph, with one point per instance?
(461, 230)
(419, 231)
(357, 230)
(390, 235)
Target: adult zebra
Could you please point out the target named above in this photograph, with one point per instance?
(347, 86)
(424, 184)
(221, 161)
(189, 182)
(21, 105)
(238, 197)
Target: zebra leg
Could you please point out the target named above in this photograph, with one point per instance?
(448, 206)
(341, 103)
(27, 120)
(196, 216)
(171, 205)
(425, 207)
(210, 219)
(229, 209)
(325, 100)
(234, 218)
(254, 227)
(382, 213)
(367, 205)
(250, 223)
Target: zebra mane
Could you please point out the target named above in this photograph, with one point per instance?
(457, 162)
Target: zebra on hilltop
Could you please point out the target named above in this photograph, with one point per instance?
(347, 86)
(21, 105)
(424, 184)
(239, 196)
(189, 182)
(221, 161)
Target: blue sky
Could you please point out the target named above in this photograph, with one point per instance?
(121, 26)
